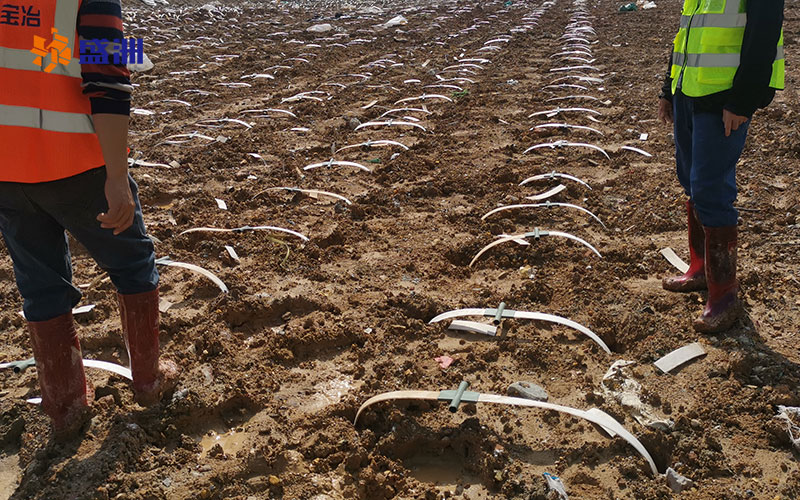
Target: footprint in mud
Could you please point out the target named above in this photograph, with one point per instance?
(306, 399)
(446, 473)
(10, 473)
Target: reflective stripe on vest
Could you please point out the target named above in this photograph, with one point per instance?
(46, 129)
(714, 21)
(713, 60)
(22, 60)
(53, 121)
(706, 52)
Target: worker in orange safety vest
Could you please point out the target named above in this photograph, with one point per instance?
(63, 166)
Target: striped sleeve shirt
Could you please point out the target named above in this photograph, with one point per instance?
(108, 86)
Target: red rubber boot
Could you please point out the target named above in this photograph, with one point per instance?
(723, 308)
(151, 378)
(695, 277)
(59, 365)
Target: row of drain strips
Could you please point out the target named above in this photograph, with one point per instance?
(574, 85)
(310, 51)
(404, 114)
(573, 73)
(409, 114)
(320, 47)
(401, 115)
(208, 131)
(198, 139)
(578, 26)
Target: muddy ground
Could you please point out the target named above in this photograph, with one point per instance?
(275, 369)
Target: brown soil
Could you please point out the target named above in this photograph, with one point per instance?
(274, 371)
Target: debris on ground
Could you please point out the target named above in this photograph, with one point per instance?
(320, 28)
(620, 385)
(789, 416)
(444, 361)
(679, 357)
(554, 484)
(677, 482)
(527, 390)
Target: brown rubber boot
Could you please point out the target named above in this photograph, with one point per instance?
(59, 366)
(723, 308)
(151, 378)
(695, 277)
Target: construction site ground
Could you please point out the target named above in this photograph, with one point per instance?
(274, 370)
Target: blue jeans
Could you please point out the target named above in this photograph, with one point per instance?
(33, 218)
(706, 161)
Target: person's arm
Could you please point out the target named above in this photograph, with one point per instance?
(665, 97)
(759, 45)
(109, 88)
(666, 86)
(112, 133)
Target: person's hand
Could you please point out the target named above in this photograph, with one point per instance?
(664, 111)
(121, 207)
(731, 121)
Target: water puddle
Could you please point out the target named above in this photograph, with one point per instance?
(231, 441)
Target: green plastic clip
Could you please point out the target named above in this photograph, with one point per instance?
(498, 315)
(21, 366)
(460, 395)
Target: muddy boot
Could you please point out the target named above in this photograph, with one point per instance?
(151, 378)
(695, 277)
(723, 308)
(59, 366)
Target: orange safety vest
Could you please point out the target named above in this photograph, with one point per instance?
(46, 130)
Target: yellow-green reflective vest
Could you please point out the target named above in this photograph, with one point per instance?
(708, 46)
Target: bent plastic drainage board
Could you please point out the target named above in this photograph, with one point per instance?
(244, 229)
(332, 162)
(546, 204)
(373, 144)
(536, 234)
(547, 194)
(461, 395)
(501, 312)
(673, 259)
(166, 261)
(562, 143)
(679, 357)
(309, 192)
(20, 366)
(553, 175)
(391, 123)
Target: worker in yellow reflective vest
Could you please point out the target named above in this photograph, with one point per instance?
(727, 61)
(63, 166)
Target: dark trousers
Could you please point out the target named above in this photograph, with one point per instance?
(706, 161)
(33, 218)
